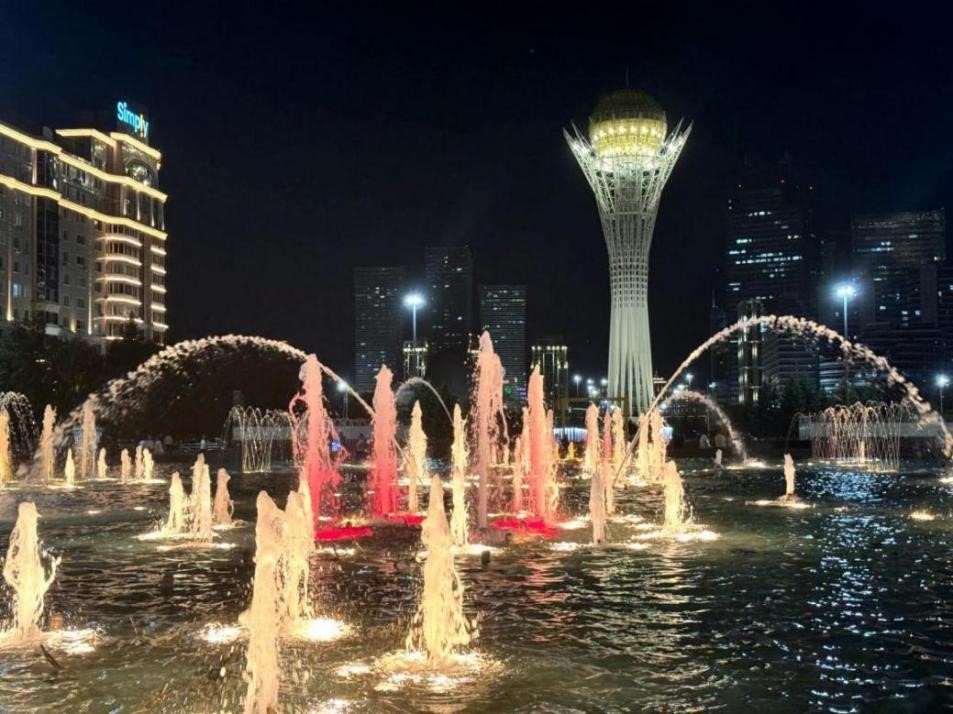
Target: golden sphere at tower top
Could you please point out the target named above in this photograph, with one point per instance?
(627, 124)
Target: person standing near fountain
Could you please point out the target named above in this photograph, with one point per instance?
(458, 473)
(382, 492)
(25, 573)
(440, 626)
(224, 507)
(415, 457)
(486, 415)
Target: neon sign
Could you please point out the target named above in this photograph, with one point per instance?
(137, 122)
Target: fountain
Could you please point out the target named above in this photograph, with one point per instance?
(6, 457)
(88, 439)
(653, 446)
(147, 465)
(486, 416)
(802, 328)
(541, 476)
(600, 488)
(606, 463)
(520, 462)
(618, 444)
(733, 436)
(223, 508)
(718, 457)
(24, 571)
(262, 618)
(47, 452)
(312, 433)
(125, 466)
(201, 501)
(440, 626)
(865, 434)
(788, 477)
(458, 473)
(258, 433)
(139, 468)
(297, 547)
(590, 461)
(69, 471)
(178, 520)
(382, 488)
(102, 469)
(415, 456)
(676, 516)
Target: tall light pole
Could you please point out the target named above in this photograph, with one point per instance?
(942, 381)
(413, 301)
(577, 379)
(846, 292)
(688, 378)
(342, 387)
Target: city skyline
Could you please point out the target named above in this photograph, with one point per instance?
(442, 171)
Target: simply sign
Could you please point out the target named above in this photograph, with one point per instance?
(135, 121)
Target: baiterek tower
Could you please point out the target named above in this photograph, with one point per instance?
(627, 159)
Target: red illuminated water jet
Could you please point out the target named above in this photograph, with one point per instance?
(529, 526)
(326, 534)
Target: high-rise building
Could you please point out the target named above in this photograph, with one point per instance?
(627, 159)
(772, 252)
(448, 272)
(82, 229)
(749, 358)
(550, 354)
(377, 322)
(889, 250)
(503, 313)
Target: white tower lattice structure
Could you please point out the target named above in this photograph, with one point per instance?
(627, 160)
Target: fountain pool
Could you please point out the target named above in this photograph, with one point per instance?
(834, 608)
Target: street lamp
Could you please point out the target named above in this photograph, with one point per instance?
(846, 292)
(577, 379)
(342, 387)
(413, 301)
(942, 381)
(688, 378)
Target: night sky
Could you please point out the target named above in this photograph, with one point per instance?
(301, 141)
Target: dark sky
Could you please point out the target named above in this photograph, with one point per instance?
(300, 141)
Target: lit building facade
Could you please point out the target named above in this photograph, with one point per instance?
(550, 354)
(378, 300)
(889, 252)
(503, 313)
(448, 273)
(772, 253)
(82, 230)
(627, 159)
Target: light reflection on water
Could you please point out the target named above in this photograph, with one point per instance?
(839, 607)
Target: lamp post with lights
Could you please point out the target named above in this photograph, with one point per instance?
(846, 292)
(414, 301)
(942, 382)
